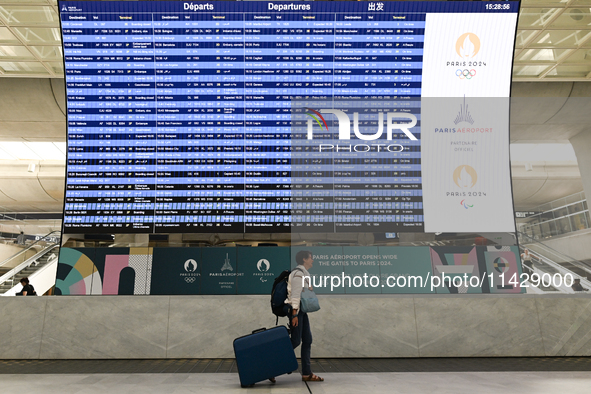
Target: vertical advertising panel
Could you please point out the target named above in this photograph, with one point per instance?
(465, 122)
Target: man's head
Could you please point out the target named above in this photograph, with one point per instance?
(24, 281)
(577, 281)
(302, 255)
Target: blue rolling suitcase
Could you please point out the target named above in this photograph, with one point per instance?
(264, 354)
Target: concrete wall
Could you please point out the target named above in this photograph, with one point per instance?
(346, 326)
(8, 250)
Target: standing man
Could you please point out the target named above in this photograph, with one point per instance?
(526, 258)
(20, 239)
(298, 321)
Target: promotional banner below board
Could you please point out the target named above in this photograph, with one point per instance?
(176, 271)
(369, 269)
(412, 264)
(219, 271)
(252, 270)
(259, 268)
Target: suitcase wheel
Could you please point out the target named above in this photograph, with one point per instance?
(289, 373)
(244, 386)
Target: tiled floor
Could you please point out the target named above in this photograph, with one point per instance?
(337, 383)
(321, 365)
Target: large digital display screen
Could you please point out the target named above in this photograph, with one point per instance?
(180, 115)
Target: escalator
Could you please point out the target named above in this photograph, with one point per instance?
(547, 260)
(40, 268)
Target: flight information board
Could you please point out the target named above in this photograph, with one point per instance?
(180, 113)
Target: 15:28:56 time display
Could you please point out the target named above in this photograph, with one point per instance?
(498, 6)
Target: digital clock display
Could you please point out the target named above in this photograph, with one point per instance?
(504, 6)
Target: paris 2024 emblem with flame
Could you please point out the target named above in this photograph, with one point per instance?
(465, 177)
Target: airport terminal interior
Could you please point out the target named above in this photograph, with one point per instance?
(163, 162)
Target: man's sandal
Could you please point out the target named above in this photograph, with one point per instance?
(312, 378)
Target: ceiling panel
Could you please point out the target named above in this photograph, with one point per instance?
(524, 37)
(7, 37)
(528, 71)
(579, 56)
(579, 71)
(540, 55)
(23, 68)
(39, 36)
(537, 17)
(28, 15)
(573, 18)
(552, 36)
(9, 52)
(559, 38)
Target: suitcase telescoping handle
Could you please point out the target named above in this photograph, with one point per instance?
(259, 330)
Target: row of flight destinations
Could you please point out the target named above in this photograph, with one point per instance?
(71, 34)
(218, 163)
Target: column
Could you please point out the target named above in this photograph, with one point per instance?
(582, 145)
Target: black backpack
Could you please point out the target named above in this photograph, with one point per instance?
(279, 295)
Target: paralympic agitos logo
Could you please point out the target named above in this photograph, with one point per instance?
(345, 130)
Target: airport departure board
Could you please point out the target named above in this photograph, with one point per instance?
(180, 113)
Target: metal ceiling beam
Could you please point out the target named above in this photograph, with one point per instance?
(535, 36)
(564, 57)
(24, 43)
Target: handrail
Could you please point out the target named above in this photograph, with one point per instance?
(29, 247)
(556, 252)
(27, 263)
(539, 207)
(541, 258)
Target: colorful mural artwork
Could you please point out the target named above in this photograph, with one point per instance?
(336, 270)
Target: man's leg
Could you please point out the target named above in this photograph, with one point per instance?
(306, 334)
(296, 332)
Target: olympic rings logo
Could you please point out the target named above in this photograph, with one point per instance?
(465, 74)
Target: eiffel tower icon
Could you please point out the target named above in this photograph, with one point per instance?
(227, 265)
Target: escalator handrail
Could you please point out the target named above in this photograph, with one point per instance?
(29, 247)
(545, 260)
(559, 254)
(27, 262)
